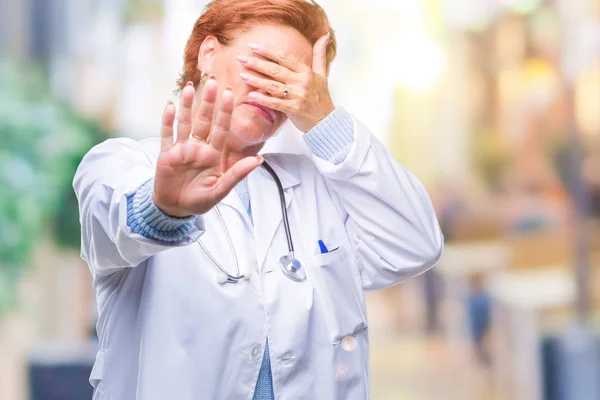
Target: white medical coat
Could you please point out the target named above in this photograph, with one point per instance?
(169, 331)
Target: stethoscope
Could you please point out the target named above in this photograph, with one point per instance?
(288, 263)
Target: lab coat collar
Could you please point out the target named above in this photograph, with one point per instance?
(233, 200)
(287, 178)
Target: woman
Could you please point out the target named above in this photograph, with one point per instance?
(185, 235)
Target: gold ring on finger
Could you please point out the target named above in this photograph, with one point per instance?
(198, 138)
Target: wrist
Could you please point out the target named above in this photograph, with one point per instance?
(146, 219)
(173, 213)
(326, 111)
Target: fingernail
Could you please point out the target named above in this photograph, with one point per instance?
(244, 76)
(254, 46)
(190, 83)
(260, 159)
(213, 77)
(242, 59)
(253, 95)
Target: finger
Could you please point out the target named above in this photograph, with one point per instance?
(270, 86)
(319, 64)
(184, 124)
(280, 56)
(236, 174)
(268, 68)
(225, 158)
(166, 130)
(275, 103)
(222, 122)
(206, 110)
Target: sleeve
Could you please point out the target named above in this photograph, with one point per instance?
(331, 139)
(144, 218)
(389, 217)
(112, 234)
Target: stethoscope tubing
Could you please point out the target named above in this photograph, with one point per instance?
(231, 247)
(286, 221)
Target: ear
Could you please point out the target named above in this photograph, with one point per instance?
(206, 54)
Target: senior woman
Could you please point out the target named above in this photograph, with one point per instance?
(221, 274)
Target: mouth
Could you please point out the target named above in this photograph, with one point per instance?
(263, 111)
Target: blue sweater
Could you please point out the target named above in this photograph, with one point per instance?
(330, 140)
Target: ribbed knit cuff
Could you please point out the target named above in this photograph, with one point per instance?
(144, 218)
(332, 138)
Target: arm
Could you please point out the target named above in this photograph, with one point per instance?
(117, 213)
(120, 203)
(397, 237)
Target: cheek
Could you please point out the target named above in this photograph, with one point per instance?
(227, 71)
(233, 78)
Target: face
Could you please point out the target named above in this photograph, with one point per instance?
(251, 125)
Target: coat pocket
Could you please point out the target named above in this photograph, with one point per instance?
(338, 292)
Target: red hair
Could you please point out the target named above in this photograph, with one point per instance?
(224, 18)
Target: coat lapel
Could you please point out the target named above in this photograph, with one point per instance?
(233, 200)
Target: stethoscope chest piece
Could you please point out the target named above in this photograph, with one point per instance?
(292, 268)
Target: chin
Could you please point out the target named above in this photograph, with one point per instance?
(251, 129)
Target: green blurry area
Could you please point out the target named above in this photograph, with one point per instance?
(43, 141)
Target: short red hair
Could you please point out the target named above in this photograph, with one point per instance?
(225, 18)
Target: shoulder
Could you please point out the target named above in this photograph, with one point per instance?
(297, 168)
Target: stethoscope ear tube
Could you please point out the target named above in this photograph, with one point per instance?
(289, 264)
(224, 276)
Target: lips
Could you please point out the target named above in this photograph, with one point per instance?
(269, 113)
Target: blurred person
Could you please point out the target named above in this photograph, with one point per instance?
(184, 234)
(478, 305)
(450, 208)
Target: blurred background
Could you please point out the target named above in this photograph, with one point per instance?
(494, 104)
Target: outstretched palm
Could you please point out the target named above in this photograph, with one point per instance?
(192, 173)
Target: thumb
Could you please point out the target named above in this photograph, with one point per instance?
(319, 64)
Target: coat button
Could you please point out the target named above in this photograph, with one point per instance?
(256, 352)
(342, 372)
(349, 343)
